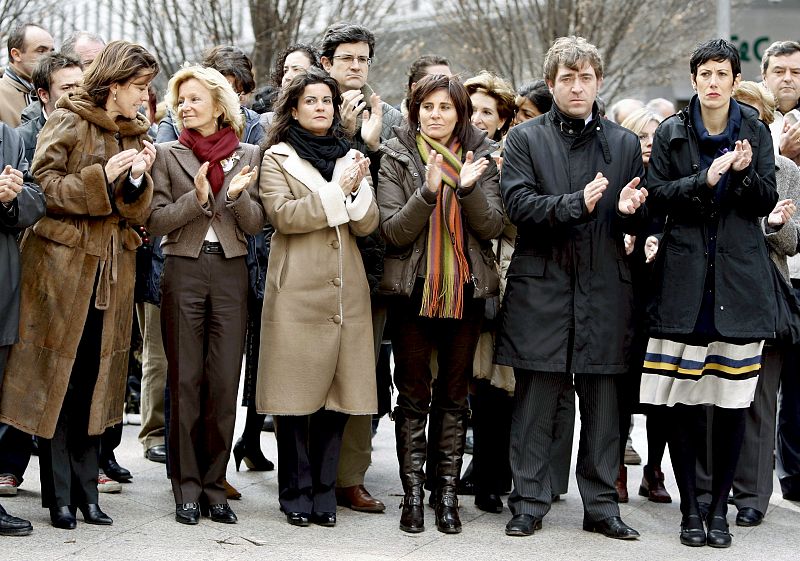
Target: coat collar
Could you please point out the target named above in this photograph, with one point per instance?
(307, 174)
(78, 102)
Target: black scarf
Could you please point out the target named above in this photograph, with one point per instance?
(320, 151)
(714, 146)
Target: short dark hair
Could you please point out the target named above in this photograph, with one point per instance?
(49, 64)
(345, 32)
(778, 48)
(418, 68)
(310, 52)
(68, 45)
(16, 39)
(231, 62)
(289, 98)
(458, 95)
(718, 50)
(537, 93)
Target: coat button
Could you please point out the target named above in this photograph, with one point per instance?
(722, 307)
(337, 282)
(416, 250)
(335, 244)
(337, 319)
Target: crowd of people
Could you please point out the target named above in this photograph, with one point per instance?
(514, 247)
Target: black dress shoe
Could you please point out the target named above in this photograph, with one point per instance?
(222, 513)
(298, 518)
(157, 453)
(693, 533)
(187, 513)
(523, 525)
(115, 471)
(13, 526)
(93, 515)
(63, 517)
(327, 519)
(612, 527)
(749, 517)
(489, 502)
(718, 533)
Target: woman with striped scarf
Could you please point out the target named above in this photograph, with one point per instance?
(439, 198)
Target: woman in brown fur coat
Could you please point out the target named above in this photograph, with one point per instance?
(65, 379)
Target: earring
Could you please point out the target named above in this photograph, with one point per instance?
(115, 96)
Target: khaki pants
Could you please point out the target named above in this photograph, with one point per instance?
(154, 376)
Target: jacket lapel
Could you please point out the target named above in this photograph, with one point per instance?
(186, 158)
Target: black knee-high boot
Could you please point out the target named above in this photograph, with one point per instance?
(411, 451)
(450, 453)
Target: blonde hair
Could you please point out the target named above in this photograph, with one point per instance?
(221, 93)
(639, 119)
(749, 92)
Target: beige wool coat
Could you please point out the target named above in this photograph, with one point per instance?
(316, 325)
(84, 244)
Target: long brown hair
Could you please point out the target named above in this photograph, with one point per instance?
(119, 63)
(290, 96)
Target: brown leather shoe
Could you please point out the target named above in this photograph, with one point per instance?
(231, 493)
(621, 485)
(358, 498)
(652, 485)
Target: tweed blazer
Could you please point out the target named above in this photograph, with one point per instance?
(183, 221)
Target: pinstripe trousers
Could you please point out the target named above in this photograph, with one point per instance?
(532, 435)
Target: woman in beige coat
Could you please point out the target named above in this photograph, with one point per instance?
(318, 366)
(65, 379)
(203, 208)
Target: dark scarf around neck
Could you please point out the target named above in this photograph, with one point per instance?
(212, 149)
(319, 151)
(712, 146)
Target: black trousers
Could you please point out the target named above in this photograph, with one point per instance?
(787, 453)
(308, 459)
(68, 463)
(533, 425)
(491, 425)
(203, 316)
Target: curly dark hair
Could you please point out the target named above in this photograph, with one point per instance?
(310, 52)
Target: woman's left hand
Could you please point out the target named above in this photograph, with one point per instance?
(782, 212)
(240, 182)
(743, 155)
(353, 174)
(143, 161)
(472, 170)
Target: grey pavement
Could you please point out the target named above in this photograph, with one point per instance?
(144, 527)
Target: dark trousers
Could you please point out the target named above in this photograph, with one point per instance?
(109, 440)
(15, 445)
(752, 484)
(704, 445)
(308, 458)
(533, 421)
(787, 453)
(491, 426)
(68, 462)
(203, 316)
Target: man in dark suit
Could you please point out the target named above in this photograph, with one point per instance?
(569, 184)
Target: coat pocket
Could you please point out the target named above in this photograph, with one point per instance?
(57, 231)
(624, 271)
(398, 273)
(527, 266)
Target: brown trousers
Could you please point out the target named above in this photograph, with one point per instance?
(203, 315)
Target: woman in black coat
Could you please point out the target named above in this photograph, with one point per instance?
(712, 173)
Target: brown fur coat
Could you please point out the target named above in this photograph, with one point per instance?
(83, 245)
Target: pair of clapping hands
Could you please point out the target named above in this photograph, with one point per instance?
(471, 171)
(11, 182)
(630, 198)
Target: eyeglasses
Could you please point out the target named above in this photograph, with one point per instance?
(348, 59)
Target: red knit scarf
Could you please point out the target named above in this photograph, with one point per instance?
(212, 149)
(447, 266)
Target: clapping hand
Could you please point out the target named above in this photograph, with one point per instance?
(650, 249)
(352, 105)
(143, 161)
(201, 184)
(371, 124)
(240, 182)
(782, 212)
(119, 163)
(11, 182)
(353, 175)
(433, 171)
(631, 198)
(472, 170)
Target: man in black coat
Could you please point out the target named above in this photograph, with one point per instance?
(569, 184)
(21, 204)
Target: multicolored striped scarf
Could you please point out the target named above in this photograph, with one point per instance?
(447, 266)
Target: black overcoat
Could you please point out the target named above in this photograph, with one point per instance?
(744, 299)
(568, 301)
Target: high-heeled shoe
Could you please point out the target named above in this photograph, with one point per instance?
(63, 517)
(253, 459)
(93, 515)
